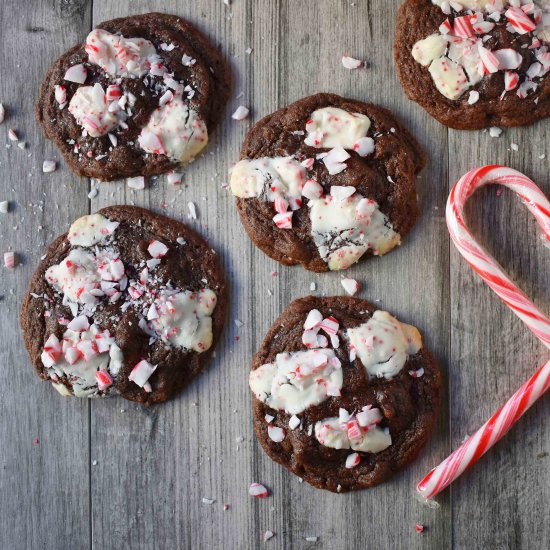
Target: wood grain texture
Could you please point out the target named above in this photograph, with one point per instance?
(44, 487)
(109, 474)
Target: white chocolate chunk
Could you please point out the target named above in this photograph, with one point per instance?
(174, 130)
(269, 176)
(343, 230)
(383, 344)
(82, 373)
(80, 274)
(332, 127)
(91, 111)
(297, 380)
(185, 319)
(425, 51)
(331, 432)
(449, 77)
(117, 55)
(90, 230)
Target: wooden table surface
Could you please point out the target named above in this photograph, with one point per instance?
(109, 474)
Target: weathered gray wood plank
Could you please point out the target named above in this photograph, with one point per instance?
(44, 486)
(492, 353)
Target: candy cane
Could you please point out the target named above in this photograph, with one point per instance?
(489, 270)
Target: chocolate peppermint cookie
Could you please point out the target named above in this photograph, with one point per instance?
(127, 302)
(327, 181)
(476, 63)
(344, 394)
(139, 97)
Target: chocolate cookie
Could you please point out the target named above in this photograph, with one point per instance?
(327, 181)
(344, 394)
(476, 63)
(139, 97)
(127, 302)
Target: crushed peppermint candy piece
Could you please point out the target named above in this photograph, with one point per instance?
(419, 528)
(12, 135)
(76, 73)
(4, 207)
(351, 63)
(269, 418)
(136, 183)
(9, 260)
(312, 539)
(257, 490)
(416, 373)
(275, 433)
(192, 211)
(141, 373)
(495, 132)
(79, 324)
(312, 190)
(49, 166)
(157, 249)
(294, 422)
(334, 160)
(351, 286)
(342, 192)
(174, 178)
(104, 379)
(2, 113)
(268, 535)
(188, 61)
(352, 460)
(240, 113)
(364, 146)
(313, 319)
(283, 220)
(514, 146)
(60, 94)
(473, 97)
(208, 500)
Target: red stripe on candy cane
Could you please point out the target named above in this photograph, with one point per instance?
(491, 272)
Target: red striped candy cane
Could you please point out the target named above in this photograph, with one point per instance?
(489, 270)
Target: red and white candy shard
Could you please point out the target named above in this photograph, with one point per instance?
(257, 490)
(49, 166)
(241, 113)
(141, 373)
(351, 63)
(77, 74)
(351, 286)
(157, 249)
(353, 460)
(283, 220)
(9, 260)
(275, 433)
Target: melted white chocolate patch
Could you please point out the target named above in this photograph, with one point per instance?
(174, 130)
(82, 373)
(343, 230)
(119, 56)
(279, 176)
(298, 380)
(333, 432)
(383, 344)
(184, 319)
(332, 127)
(91, 110)
(90, 230)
